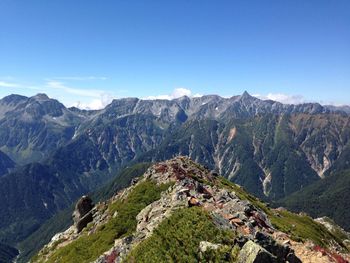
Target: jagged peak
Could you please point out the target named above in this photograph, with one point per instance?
(246, 96)
(122, 100)
(245, 93)
(41, 96)
(182, 98)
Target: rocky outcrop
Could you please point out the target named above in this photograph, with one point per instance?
(82, 214)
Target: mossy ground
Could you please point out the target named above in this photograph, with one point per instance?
(177, 240)
(89, 247)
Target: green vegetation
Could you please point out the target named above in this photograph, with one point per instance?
(62, 220)
(328, 197)
(177, 240)
(88, 247)
(300, 227)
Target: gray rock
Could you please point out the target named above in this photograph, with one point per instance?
(283, 253)
(253, 253)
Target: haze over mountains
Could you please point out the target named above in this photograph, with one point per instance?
(50, 155)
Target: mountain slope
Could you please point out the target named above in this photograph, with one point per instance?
(7, 253)
(6, 164)
(179, 211)
(328, 197)
(272, 156)
(31, 195)
(60, 221)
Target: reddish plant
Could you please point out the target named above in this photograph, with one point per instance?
(162, 168)
(334, 256)
(111, 257)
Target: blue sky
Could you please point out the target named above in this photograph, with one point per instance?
(92, 51)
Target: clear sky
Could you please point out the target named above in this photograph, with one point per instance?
(92, 51)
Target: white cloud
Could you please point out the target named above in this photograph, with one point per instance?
(95, 104)
(74, 91)
(281, 97)
(5, 84)
(97, 99)
(177, 93)
(82, 78)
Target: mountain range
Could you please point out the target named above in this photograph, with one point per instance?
(50, 155)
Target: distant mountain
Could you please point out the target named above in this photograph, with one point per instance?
(31, 128)
(344, 108)
(270, 155)
(269, 148)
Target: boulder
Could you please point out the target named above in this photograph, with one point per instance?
(82, 214)
(283, 253)
(253, 253)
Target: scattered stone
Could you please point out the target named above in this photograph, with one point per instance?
(237, 221)
(286, 242)
(281, 209)
(221, 222)
(135, 180)
(204, 246)
(213, 173)
(193, 202)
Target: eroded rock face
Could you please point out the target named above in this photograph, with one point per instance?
(82, 214)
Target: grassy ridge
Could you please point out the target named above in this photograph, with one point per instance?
(177, 239)
(89, 247)
(300, 227)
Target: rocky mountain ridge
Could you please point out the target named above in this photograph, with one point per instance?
(253, 232)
